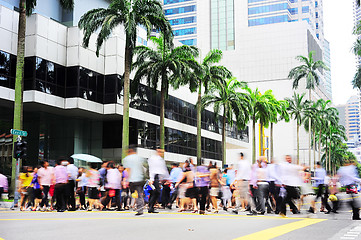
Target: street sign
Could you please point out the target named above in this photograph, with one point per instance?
(19, 132)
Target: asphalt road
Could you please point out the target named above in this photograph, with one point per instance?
(15, 225)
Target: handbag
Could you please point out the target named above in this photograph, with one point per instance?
(111, 193)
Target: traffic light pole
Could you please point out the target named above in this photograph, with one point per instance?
(15, 171)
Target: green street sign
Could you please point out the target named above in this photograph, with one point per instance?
(19, 132)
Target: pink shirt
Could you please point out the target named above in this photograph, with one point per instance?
(46, 176)
(61, 175)
(3, 182)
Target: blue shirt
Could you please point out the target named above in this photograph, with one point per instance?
(176, 174)
(320, 175)
(348, 175)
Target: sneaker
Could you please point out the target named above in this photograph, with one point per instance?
(235, 211)
(139, 213)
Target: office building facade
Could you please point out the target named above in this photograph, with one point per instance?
(73, 100)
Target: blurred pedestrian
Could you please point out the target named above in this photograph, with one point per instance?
(61, 180)
(112, 186)
(135, 164)
(93, 185)
(158, 173)
(73, 175)
(45, 176)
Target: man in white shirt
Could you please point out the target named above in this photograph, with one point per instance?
(45, 178)
(242, 183)
(291, 180)
(73, 175)
(157, 172)
(348, 177)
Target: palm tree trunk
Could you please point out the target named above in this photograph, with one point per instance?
(254, 140)
(329, 157)
(199, 125)
(298, 143)
(127, 64)
(314, 149)
(272, 141)
(161, 117)
(309, 135)
(224, 139)
(261, 140)
(319, 146)
(18, 103)
(326, 156)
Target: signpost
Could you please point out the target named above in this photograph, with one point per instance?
(19, 132)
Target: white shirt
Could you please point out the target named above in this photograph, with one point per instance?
(72, 171)
(273, 173)
(46, 176)
(348, 175)
(243, 170)
(290, 175)
(157, 166)
(114, 179)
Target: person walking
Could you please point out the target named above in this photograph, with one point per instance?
(45, 176)
(134, 164)
(322, 189)
(73, 175)
(259, 183)
(93, 176)
(112, 186)
(291, 181)
(61, 180)
(348, 177)
(3, 185)
(214, 184)
(175, 176)
(202, 183)
(81, 187)
(158, 172)
(26, 190)
(241, 184)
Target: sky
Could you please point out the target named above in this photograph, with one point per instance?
(338, 26)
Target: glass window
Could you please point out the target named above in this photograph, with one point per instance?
(267, 20)
(72, 74)
(316, 14)
(186, 9)
(50, 73)
(179, 21)
(306, 9)
(174, 1)
(185, 31)
(40, 68)
(189, 42)
(268, 8)
(293, 11)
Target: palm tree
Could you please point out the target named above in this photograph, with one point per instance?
(165, 65)
(307, 71)
(204, 74)
(312, 115)
(26, 8)
(356, 81)
(296, 109)
(130, 14)
(224, 95)
(261, 110)
(279, 113)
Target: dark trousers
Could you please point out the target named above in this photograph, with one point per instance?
(125, 197)
(81, 193)
(292, 193)
(174, 195)
(138, 186)
(105, 201)
(322, 193)
(203, 193)
(154, 194)
(278, 199)
(60, 192)
(45, 201)
(165, 195)
(71, 195)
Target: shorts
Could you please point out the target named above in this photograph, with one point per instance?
(93, 193)
(191, 192)
(243, 188)
(214, 191)
(38, 194)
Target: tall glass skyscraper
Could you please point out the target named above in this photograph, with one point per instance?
(182, 15)
(261, 12)
(356, 20)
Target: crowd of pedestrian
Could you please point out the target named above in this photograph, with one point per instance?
(259, 188)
